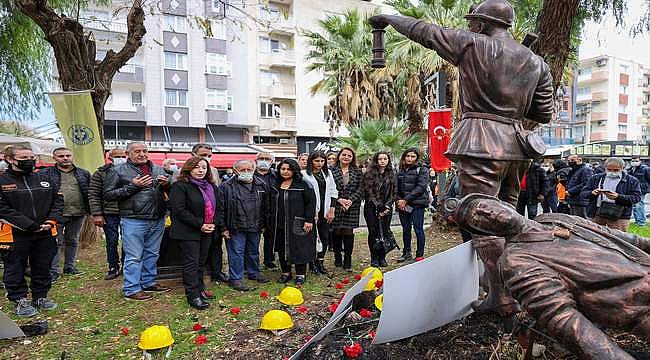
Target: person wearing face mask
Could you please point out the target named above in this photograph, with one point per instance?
(578, 178)
(105, 213)
(412, 199)
(170, 166)
(550, 193)
(612, 195)
(641, 173)
(205, 151)
(264, 172)
(243, 208)
(30, 208)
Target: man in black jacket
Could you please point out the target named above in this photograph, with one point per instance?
(536, 186)
(263, 171)
(139, 186)
(106, 214)
(578, 178)
(30, 208)
(642, 173)
(73, 183)
(243, 209)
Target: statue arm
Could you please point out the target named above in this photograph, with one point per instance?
(542, 105)
(448, 43)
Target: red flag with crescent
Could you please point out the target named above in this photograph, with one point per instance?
(439, 134)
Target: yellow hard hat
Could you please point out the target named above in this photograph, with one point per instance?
(276, 320)
(155, 337)
(290, 296)
(379, 302)
(376, 275)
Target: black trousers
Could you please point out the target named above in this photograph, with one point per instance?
(38, 251)
(373, 223)
(285, 265)
(269, 255)
(195, 255)
(324, 235)
(215, 256)
(343, 240)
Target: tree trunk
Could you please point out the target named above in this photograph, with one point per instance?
(554, 26)
(75, 51)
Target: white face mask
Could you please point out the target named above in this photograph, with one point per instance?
(246, 177)
(119, 161)
(173, 167)
(635, 163)
(614, 174)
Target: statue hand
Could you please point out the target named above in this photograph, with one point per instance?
(378, 21)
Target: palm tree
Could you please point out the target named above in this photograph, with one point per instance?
(342, 55)
(380, 135)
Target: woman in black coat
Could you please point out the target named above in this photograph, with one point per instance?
(412, 183)
(349, 183)
(193, 214)
(380, 185)
(293, 206)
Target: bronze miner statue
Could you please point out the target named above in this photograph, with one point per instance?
(502, 84)
(568, 273)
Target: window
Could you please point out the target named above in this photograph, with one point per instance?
(175, 97)
(622, 89)
(622, 129)
(624, 68)
(174, 23)
(268, 78)
(175, 61)
(270, 45)
(136, 98)
(268, 110)
(217, 64)
(218, 100)
(585, 72)
(622, 109)
(584, 91)
(219, 29)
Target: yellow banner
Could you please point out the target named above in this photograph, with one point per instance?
(76, 118)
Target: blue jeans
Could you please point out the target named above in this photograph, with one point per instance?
(112, 232)
(243, 248)
(639, 212)
(141, 245)
(416, 220)
(68, 243)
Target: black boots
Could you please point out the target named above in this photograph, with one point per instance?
(319, 267)
(338, 260)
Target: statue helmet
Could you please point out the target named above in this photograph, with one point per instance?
(496, 11)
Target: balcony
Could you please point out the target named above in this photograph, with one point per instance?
(598, 116)
(129, 73)
(104, 25)
(278, 91)
(598, 96)
(136, 113)
(595, 76)
(645, 87)
(284, 124)
(285, 27)
(280, 59)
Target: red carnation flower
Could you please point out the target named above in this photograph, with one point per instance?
(353, 351)
(379, 283)
(357, 276)
(308, 339)
(339, 286)
(332, 307)
(197, 327)
(345, 281)
(125, 331)
(235, 311)
(302, 309)
(264, 294)
(365, 313)
(420, 258)
(201, 340)
(372, 334)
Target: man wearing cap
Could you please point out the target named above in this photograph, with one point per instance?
(502, 84)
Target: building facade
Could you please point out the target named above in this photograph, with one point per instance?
(203, 76)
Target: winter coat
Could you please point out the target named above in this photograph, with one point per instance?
(81, 175)
(136, 202)
(412, 185)
(98, 205)
(385, 195)
(330, 189)
(536, 183)
(299, 204)
(628, 189)
(188, 211)
(353, 191)
(229, 206)
(641, 173)
(578, 178)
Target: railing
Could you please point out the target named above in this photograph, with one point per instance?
(278, 90)
(286, 122)
(105, 25)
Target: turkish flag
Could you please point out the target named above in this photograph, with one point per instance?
(439, 133)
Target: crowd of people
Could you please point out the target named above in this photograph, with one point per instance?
(608, 194)
(297, 211)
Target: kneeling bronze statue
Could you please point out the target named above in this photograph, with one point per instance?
(567, 272)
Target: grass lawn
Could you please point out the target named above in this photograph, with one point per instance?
(639, 230)
(92, 312)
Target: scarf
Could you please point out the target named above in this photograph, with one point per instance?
(209, 200)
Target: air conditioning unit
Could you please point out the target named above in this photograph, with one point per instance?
(284, 141)
(602, 122)
(601, 62)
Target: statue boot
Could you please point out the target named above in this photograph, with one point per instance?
(498, 299)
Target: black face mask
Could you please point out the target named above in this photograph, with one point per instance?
(573, 164)
(25, 165)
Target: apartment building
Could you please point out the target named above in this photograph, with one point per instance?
(612, 100)
(238, 79)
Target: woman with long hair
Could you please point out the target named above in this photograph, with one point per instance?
(380, 186)
(322, 181)
(349, 183)
(293, 207)
(412, 183)
(193, 215)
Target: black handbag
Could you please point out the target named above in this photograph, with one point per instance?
(385, 242)
(609, 210)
